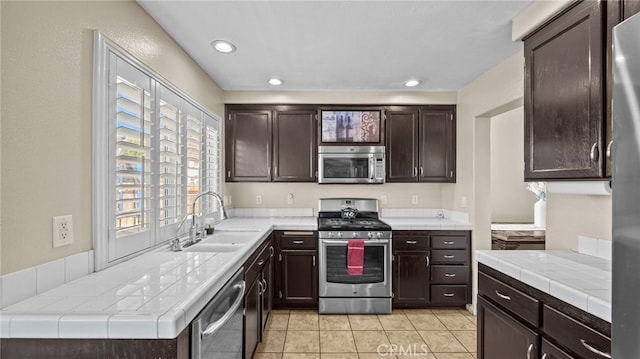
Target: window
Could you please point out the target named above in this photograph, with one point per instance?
(154, 150)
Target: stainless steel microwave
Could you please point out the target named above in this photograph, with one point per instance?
(351, 164)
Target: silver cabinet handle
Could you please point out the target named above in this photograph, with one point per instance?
(529, 351)
(268, 171)
(505, 297)
(609, 149)
(421, 171)
(449, 242)
(411, 242)
(298, 242)
(260, 262)
(594, 152)
(450, 173)
(314, 261)
(545, 356)
(450, 275)
(594, 350)
(271, 251)
(264, 286)
(415, 171)
(427, 261)
(449, 256)
(449, 294)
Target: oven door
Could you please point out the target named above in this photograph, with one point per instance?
(349, 167)
(375, 280)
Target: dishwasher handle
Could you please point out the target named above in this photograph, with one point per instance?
(215, 326)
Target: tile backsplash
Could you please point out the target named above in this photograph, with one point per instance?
(594, 247)
(20, 285)
(270, 212)
(424, 213)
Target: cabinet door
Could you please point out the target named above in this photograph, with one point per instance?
(501, 336)
(267, 291)
(294, 145)
(564, 96)
(248, 145)
(437, 144)
(410, 278)
(298, 278)
(550, 351)
(402, 145)
(252, 328)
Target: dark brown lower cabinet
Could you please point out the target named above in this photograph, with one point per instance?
(296, 269)
(251, 318)
(502, 336)
(515, 318)
(411, 276)
(258, 298)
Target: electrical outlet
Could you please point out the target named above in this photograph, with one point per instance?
(414, 199)
(259, 199)
(383, 199)
(464, 202)
(62, 230)
(290, 198)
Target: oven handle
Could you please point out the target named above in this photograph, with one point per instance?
(379, 241)
(215, 326)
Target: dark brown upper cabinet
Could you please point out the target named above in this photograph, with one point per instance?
(248, 144)
(270, 143)
(294, 145)
(565, 96)
(421, 143)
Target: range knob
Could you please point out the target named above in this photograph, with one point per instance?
(339, 234)
(370, 235)
(354, 235)
(379, 234)
(330, 234)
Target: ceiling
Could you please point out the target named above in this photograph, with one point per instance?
(342, 45)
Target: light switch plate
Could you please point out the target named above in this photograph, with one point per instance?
(62, 230)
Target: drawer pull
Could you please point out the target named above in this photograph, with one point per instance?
(449, 242)
(449, 294)
(594, 350)
(505, 297)
(450, 275)
(411, 242)
(260, 262)
(449, 256)
(298, 242)
(529, 351)
(545, 356)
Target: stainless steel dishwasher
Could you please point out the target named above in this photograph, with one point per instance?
(216, 333)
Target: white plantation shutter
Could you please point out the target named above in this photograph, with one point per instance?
(154, 150)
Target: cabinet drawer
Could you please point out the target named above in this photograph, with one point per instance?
(449, 274)
(450, 256)
(575, 336)
(553, 352)
(254, 268)
(406, 242)
(449, 294)
(449, 242)
(298, 240)
(509, 298)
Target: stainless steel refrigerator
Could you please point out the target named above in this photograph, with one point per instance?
(625, 328)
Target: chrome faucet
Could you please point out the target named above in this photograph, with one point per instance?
(194, 234)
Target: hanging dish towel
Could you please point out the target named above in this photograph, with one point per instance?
(355, 256)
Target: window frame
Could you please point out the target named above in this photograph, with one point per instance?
(103, 154)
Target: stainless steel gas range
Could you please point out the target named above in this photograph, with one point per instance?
(339, 221)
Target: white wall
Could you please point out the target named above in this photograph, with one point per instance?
(47, 64)
(511, 202)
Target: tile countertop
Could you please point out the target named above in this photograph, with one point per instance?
(581, 280)
(151, 296)
(424, 224)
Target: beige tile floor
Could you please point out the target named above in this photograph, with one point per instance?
(419, 333)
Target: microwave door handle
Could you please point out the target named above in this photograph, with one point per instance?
(372, 167)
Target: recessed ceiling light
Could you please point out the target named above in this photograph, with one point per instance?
(275, 82)
(223, 46)
(412, 83)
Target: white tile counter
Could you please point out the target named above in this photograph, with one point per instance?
(581, 280)
(417, 219)
(152, 296)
